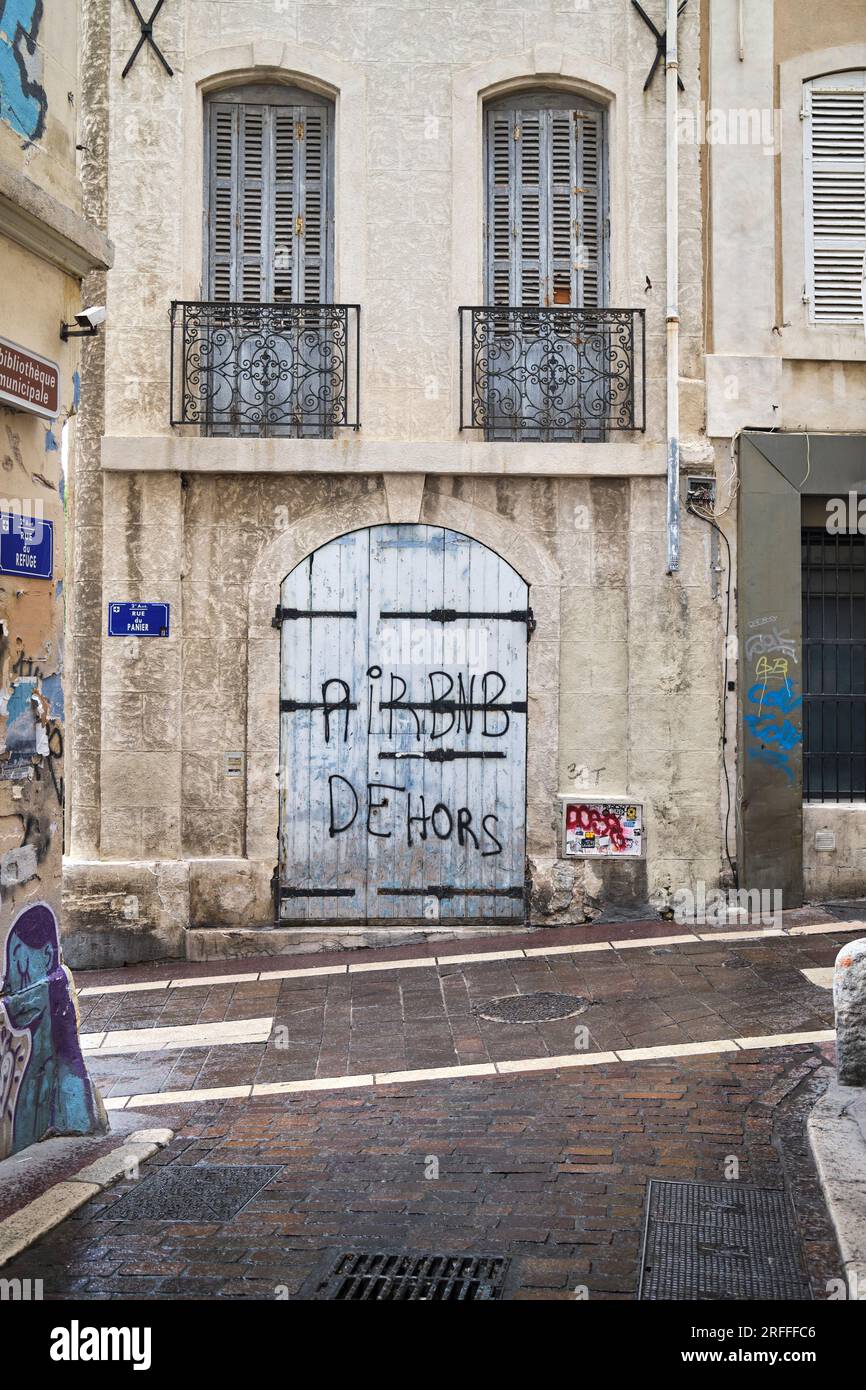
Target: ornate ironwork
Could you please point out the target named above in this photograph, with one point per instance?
(561, 373)
(265, 369)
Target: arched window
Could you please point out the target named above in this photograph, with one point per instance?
(546, 204)
(269, 196)
(834, 111)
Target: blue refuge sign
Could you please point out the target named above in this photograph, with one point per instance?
(138, 619)
(26, 545)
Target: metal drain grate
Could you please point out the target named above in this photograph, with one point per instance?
(539, 1007)
(189, 1192)
(720, 1241)
(429, 1278)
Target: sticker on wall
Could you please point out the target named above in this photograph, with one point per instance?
(602, 829)
(138, 620)
(26, 545)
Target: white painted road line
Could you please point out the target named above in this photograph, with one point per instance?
(821, 975)
(20, 1229)
(244, 1030)
(478, 958)
(481, 1069)
(787, 1039)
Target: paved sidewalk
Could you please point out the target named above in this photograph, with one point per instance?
(549, 1170)
(549, 1167)
(397, 1019)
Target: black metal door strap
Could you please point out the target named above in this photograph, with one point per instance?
(438, 891)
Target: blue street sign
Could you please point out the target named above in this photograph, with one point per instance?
(26, 545)
(138, 619)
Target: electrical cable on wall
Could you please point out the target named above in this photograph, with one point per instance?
(705, 516)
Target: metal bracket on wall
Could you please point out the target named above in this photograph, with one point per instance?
(147, 37)
(661, 43)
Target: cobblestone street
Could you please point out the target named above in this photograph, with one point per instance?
(545, 1164)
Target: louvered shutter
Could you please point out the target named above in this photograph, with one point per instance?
(269, 206)
(591, 226)
(545, 215)
(285, 239)
(835, 201)
(313, 204)
(222, 223)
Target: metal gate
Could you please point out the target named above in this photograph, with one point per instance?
(403, 730)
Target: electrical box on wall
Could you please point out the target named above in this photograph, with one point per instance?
(701, 491)
(602, 829)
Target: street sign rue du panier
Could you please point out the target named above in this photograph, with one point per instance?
(29, 382)
(138, 619)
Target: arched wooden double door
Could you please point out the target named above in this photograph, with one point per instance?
(403, 730)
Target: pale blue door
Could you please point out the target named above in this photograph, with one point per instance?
(403, 730)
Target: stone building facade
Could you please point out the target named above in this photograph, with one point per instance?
(407, 135)
(786, 400)
(47, 246)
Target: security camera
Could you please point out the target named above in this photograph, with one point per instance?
(88, 323)
(91, 318)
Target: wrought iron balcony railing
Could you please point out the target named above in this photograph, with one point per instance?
(265, 370)
(552, 374)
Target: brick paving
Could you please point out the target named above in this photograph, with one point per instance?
(550, 1170)
(407, 1019)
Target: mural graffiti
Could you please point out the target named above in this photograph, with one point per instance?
(44, 1086)
(771, 733)
(23, 103)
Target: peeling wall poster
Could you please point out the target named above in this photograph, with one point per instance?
(602, 829)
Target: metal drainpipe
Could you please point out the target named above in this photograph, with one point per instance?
(672, 316)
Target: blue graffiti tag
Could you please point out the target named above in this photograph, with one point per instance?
(768, 723)
(783, 699)
(23, 102)
(773, 759)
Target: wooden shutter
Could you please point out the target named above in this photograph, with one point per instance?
(545, 213)
(313, 203)
(500, 215)
(835, 201)
(222, 224)
(285, 239)
(591, 249)
(269, 227)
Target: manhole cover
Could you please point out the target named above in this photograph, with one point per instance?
(717, 1241)
(181, 1192)
(530, 1008)
(393, 1278)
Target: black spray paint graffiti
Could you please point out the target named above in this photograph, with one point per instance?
(345, 804)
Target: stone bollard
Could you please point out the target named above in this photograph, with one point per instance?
(849, 998)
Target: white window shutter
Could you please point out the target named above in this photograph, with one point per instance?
(834, 110)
